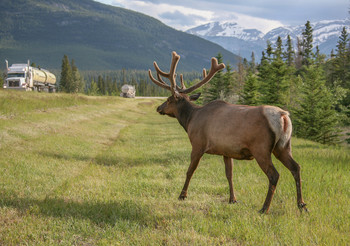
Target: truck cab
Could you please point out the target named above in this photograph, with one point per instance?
(17, 77)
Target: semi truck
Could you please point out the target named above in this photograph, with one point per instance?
(28, 78)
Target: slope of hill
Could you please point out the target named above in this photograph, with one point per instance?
(239, 40)
(97, 36)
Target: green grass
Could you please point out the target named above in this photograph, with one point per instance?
(77, 170)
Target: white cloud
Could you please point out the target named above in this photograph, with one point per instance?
(250, 22)
(167, 13)
(183, 18)
(269, 14)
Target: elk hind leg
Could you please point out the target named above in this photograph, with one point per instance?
(228, 169)
(266, 165)
(285, 156)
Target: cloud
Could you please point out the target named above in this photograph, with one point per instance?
(262, 15)
(177, 16)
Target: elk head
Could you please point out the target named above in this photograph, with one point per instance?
(179, 94)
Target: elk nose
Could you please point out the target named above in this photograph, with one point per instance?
(160, 110)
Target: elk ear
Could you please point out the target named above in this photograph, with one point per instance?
(194, 97)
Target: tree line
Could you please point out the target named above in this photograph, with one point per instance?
(315, 90)
(109, 83)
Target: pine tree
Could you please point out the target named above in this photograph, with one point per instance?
(315, 117)
(109, 86)
(289, 53)
(249, 95)
(269, 50)
(66, 75)
(299, 55)
(78, 82)
(213, 89)
(273, 78)
(93, 90)
(101, 85)
(341, 59)
(252, 63)
(238, 78)
(307, 46)
(227, 81)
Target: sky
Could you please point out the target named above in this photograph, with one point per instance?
(263, 15)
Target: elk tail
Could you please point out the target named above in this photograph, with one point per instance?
(280, 124)
(286, 125)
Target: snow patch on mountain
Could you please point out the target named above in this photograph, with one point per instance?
(325, 35)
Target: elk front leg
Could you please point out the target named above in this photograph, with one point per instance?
(228, 169)
(195, 158)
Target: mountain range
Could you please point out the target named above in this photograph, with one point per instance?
(96, 36)
(242, 41)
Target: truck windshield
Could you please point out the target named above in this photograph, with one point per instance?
(13, 75)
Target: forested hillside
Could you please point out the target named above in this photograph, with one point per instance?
(97, 36)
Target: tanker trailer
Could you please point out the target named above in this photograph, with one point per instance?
(27, 78)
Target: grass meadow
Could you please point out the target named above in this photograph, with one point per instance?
(78, 170)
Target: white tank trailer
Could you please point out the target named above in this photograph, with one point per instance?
(128, 91)
(27, 78)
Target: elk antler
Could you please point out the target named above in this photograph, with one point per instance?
(171, 76)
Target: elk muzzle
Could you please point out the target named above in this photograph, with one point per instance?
(160, 109)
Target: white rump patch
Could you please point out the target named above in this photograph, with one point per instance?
(279, 123)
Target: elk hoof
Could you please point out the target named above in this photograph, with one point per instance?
(302, 206)
(264, 211)
(231, 201)
(183, 195)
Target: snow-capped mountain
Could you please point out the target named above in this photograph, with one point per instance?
(227, 29)
(241, 41)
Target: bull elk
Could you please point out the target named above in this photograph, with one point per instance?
(232, 131)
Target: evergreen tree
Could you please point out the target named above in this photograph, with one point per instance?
(101, 85)
(289, 53)
(109, 86)
(307, 46)
(315, 117)
(341, 58)
(299, 55)
(269, 50)
(216, 86)
(66, 75)
(238, 79)
(273, 79)
(78, 82)
(338, 70)
(252, 63)
(249, 95)
(115, 90)
(93, 90)
(227, 81)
